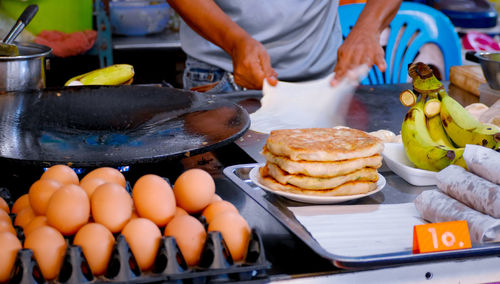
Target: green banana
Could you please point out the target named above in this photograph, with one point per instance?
(463, 128)
(423, 80)
(112, 75)
(408, 98)
(419, 146)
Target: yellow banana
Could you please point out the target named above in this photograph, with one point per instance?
(463, 128)
(419, 146)
(112, 75)
(437, 132)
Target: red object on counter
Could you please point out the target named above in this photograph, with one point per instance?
(67, 44)
(479, 42)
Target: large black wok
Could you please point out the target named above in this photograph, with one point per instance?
(114, 126)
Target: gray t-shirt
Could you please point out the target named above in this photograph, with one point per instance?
(301, 36)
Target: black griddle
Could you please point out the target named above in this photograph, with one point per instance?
(93, 126)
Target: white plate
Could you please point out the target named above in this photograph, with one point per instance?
(313, 198)
(395, 158)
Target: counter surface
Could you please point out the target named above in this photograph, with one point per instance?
(372, 108)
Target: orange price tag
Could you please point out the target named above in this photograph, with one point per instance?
(441, 236)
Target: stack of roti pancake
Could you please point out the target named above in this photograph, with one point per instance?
(321, 161)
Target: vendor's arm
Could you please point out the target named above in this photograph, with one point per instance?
(362, 45)
(251, 62)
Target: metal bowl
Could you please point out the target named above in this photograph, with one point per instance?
(490, 64)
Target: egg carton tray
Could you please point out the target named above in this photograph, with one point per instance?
(215, 266)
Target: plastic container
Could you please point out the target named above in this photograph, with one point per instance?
(216, 265)
(138, 18)
(61, 15)
(395, 158)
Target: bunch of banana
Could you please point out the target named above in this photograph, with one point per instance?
(463, 128)
(118, 74)
(435, 131)
(425, 141)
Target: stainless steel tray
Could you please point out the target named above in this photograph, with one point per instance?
(396, 191)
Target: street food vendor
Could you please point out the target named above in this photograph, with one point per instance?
(237, 44)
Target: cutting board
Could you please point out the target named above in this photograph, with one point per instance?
(467, 77)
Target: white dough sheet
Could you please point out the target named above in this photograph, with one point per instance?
(482, 161)
(470, 189)
(435, 206)
(311, 104)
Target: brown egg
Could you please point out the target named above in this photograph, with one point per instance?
(235, 232)
(194, 190)
(108, 174)
(154, 199)
(4, 206)
(48, 247)
(190, 236)
(22, 202)
(38, 221)
(6, 226)
(96, 242)
(4, 216)
(68, 209)
(24, 217)
(179, 212)
(40, 193)
(90, 184)
(218, 207)
(61, 173)
(9, 246)
(144, 238)
(111, 206)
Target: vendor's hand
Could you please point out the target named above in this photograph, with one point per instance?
(360, 47)
(252, 64)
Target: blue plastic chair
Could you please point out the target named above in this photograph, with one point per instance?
(422, 24)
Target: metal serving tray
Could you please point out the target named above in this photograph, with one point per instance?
(396, 191)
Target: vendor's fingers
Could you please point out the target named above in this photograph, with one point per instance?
(380, 61)
(252, 78)
(354, 72)
(269, 72)
(273, 81)
(270, 75)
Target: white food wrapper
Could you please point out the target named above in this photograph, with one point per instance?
(435, 206)
(311, 104)
(482, 161)
(470, 189)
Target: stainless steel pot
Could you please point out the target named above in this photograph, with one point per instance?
(490, 64)
(26, 71)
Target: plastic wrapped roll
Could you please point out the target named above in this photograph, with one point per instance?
(436, 207)
(482, 161)
(470, 189)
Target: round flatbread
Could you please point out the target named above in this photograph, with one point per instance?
(323, 144)
(322, 169)
(349, 188)
(318, 183)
